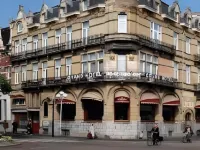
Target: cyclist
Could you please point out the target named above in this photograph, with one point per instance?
(188, 133)
(155, 134)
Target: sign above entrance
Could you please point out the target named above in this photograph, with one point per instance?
(64, 101)
(122, 99)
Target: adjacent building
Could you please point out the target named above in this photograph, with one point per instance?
(123, 64)
(5, 70)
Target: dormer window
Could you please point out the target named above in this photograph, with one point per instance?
(189, 22)
(19, 27)
(177, 16)
(158, 7)
(85, 4)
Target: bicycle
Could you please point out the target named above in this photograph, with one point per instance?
(150, 141)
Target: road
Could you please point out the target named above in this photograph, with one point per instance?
(56, 144)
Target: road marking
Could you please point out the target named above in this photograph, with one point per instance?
(44, 141)
(39, 148)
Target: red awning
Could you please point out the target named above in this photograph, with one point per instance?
(197, 106)
(64, 101)
(150, 101)
(172, 103)
(122, 99)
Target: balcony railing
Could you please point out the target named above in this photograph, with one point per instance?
(71, 45)
(103, 76)
(156, 44)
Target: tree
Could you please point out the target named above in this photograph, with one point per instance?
(5, 87)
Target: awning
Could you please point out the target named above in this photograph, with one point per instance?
(92, 96)
(171, 100)
(149, 98)
(19, 110)
(68, 100)
(197, 106)
(17, 96)
(122, 97)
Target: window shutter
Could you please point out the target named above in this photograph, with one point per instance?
(122, 23)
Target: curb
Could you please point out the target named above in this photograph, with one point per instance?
(10, 145)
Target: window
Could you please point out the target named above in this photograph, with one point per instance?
(24, 45)
(92, 62)
(35, 71)
(35, 42)
(122, 23)
(148, 63)
(198, 48)
(18, 101)
(187, 74)
(23, 73)
(189, 22)
(58, 36)
(176, 72)
(69, 36)
(187, 45)
(17, 50)
(85, 4)
(68, 66)
(19, 27)
(156, 31)
(158, 7)
(44, 39)
(57, 68)
(85, 31)
(121, 63)
(44, 70)
(17, 75)
(100, 56)
(45, 109)
(176, 40)
(198, 75)
(7, 70)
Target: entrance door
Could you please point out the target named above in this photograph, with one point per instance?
(34, 116)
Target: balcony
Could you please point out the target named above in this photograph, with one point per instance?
(147, 4)
(96, 4)
(156, 44)
(72, 9)
(59, 48)
(103, 77)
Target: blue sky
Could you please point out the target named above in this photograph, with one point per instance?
(9, 8)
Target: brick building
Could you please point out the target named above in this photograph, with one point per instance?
(122, 64)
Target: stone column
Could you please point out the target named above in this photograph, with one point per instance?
(158, 113)
(79, 111)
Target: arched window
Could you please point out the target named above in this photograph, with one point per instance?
(45, 109)
(19, 27)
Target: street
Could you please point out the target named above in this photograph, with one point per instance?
(51, 144)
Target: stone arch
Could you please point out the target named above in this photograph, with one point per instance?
(47, 99)
(170, 93)
(148, 90)
(191, 112)
(68, 91)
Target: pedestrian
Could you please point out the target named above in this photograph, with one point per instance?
(92, 131)
(29, 127)
(155, 132)
(15, 126)
(5, 126)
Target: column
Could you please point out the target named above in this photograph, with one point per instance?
(3, 110)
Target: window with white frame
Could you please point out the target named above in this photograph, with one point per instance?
(122, 23)
(176, 71)
(19, 27)
(44, 70)
(92, 62)
(85, 31)
(198, 75)
(68, 66)
(35, 71)
(187, 74)
(187, 45)
(198, 48)
(176, 40)
(18, 101)
(148, 63)
(85, 4)
(156, 32)
(69, 36)
(44, 39)
(24, 45)
(17, 70)
(57, 68)
(23, 73)
(35, 42)
(158, 7)
(58, 36)
(7, 70)
(121, 63)
(17, 47)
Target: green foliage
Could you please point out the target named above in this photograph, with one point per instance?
(6, 139)
(5, 87)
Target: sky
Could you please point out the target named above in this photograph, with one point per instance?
(9, 8)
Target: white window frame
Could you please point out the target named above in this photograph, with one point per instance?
(122, 23)
(44, 70)
(57, 69)
(69, 36)
(35, 42)
(17, 75)
(176, 40)
(24, 45)
(35, 72)
(99, 59)
(176, 70)
(152, 31)
(68, 67)
(85, 5)
(17, 47)
(58, 36)
(187, 45)
(19, 27)
(86, 29)
(23, 73)
(45, 39)
(119, 61)
(187, 70)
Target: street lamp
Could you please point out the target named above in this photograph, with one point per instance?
(61, 95)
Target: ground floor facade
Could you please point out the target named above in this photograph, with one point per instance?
(120, 111)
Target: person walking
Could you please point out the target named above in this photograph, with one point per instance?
(92, 131)
(15, 126)
(155, 132)
(29, 127)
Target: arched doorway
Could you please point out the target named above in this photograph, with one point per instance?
(149, 103)
(92, 102)
(121, 106)
(188, 116)
(170, 107)
(68, 107)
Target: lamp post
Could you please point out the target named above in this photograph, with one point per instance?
(61, 95)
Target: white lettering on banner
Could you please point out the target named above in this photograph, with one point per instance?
(123, 74)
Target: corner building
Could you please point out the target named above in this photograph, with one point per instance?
(124, 65)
